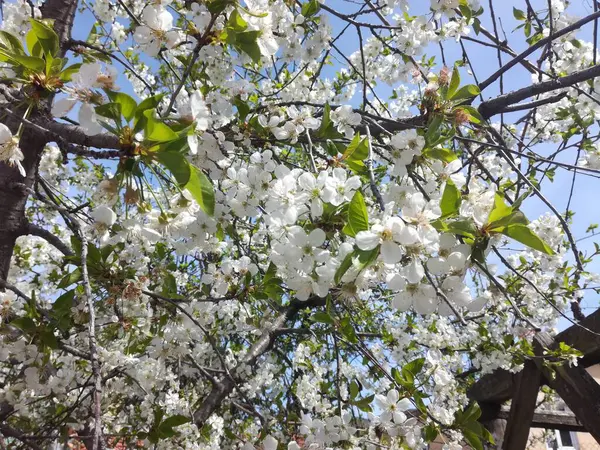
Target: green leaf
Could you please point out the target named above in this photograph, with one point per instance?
(48, 339)
(202, 189)
(473, 440)
(218, 6)
(310, 8)
(433, 129)
(468, 91)
(414, 367)
(474, 116)
(110, 110)
(47, 37)
(358, 218)
(61, 310)
(362, 258)
(442, 154)
(246, 41)
(327, 130)
(346, 264)
(156, 130)
(30, 62)
(127, 103)
(174, 421)
(354, 389)
(236, 22)
(454, 82)
(322, 317)
(67, 74)
(519, 15)
(140, 121)
(451, 199)
(242, 107)
(25, 324)
(526, 236)
(364, 404)
(462, 228)
(515, 217)
(348, 330)
(175, 163)
(500, 209)
(33, 45)
(11, 42)
(70, 278)
(356, 153)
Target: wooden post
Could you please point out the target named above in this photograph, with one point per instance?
(522, 408)
(576, 387)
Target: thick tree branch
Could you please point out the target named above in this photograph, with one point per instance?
(53, 240)
(491, 107)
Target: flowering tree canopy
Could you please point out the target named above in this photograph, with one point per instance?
(273, 224)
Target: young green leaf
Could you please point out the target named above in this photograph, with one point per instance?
(451, 199)
(356, 153)
(175, 163)
(500, 209)
(525, 235)
(454, 82)
(127, 103)
(358, 218)
(310, 8)
(47, 37)
(156, 130)
(29, 62)
(468, 91)
(11, 42)
(236, 22)
(202, 189)
(246, 41)
(110, 110)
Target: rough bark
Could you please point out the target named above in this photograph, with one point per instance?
(12, 205)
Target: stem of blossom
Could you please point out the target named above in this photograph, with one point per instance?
(443, 296)
(310, 151)
(98, 441)
(498, 285)
(202, 40)
(77, 43)
(372, 183)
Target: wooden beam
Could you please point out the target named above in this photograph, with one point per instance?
(522, 408)
(550, 420)
(496, 387)
(578, 389)
(499, 386)
(578, 337)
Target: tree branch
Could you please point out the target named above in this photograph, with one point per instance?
(53, 240)
(491, 107)
(539, 44)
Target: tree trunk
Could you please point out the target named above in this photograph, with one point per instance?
(13, 198)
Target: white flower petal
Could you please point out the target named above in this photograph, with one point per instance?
(390, 252)
(367, 240)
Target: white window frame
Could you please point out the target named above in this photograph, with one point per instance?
(559, 444)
